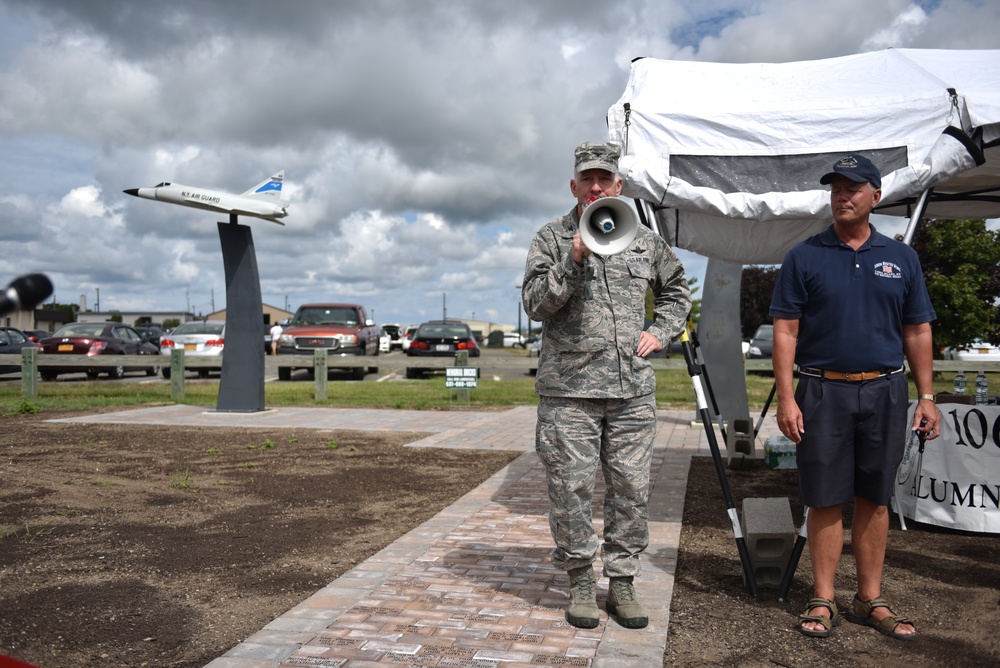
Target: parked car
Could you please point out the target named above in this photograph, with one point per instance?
(761, 343)
(12, 340)
(93, 339)
(36, 335)
(384, 340)
(198, 338)
(513, 339)
(440, 338)
(407, 337)
(977, 351)
(395, 332)
(535, 346)
(340, 329)
(150, 334)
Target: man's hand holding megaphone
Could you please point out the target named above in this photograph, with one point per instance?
(580, 251)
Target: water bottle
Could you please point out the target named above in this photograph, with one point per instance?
(982, 389)
(959, 386)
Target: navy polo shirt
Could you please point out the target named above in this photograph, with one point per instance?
(851, 305)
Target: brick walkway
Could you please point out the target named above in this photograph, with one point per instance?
(473, 586)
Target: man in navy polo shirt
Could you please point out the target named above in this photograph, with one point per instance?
(847, 305)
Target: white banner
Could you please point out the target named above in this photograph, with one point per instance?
(955, 481)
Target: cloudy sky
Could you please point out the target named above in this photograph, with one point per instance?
(423, 143)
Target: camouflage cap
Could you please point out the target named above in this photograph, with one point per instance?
(597, 156)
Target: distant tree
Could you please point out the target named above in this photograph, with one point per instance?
(961, 264)
(756, 288)
(170, 323)
(115, 316)
(695, 303)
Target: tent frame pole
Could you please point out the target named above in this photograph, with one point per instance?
(918, 213)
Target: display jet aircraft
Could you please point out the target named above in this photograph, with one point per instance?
(261, 201)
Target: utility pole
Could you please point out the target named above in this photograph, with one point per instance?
(444, 305)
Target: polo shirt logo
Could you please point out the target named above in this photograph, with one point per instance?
(887, 270)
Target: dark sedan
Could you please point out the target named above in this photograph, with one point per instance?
(762, 343)
(11, 342)
(93, 339)
(36, 335)
(440, 338)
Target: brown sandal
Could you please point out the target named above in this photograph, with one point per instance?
(828, 623)
(861, 613)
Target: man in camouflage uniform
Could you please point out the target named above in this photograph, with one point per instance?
(596, 387)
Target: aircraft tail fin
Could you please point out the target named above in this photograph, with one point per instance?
(269, 189)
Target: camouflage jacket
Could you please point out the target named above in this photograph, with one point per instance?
(589, 344)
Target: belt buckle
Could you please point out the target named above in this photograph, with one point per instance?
(854, 377)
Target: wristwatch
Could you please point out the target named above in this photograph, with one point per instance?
(928, 397)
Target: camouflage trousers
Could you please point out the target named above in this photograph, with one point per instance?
(572, 437)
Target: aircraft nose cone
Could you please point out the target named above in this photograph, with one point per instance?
(134, 192)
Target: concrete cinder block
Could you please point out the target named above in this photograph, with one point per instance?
(769, 532)
(739, 439)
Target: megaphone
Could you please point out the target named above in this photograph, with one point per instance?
(608, 225)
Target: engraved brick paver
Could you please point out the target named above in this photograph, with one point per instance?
(472, 586)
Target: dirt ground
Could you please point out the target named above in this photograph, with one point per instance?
(164, 546)
(157, 546)
(948, 582)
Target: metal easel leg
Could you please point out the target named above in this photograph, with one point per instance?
(741, 545)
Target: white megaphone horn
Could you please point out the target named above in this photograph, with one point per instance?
(608, 225)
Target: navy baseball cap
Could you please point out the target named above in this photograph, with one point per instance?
(857, 168)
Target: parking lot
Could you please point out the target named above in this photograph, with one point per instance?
(494, 358)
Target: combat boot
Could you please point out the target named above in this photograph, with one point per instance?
(583, 611)
(624, 606)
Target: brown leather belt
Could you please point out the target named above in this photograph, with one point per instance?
(849, 376)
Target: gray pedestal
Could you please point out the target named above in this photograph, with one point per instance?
(242, 386)
(720, 339)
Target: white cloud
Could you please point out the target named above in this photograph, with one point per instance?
(423, 144)
(908, 25)
(83, 201)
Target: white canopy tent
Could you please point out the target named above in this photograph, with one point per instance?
(728, 158)
(729, 155)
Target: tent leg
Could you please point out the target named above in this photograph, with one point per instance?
(918, 213)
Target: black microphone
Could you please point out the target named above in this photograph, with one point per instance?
(24, 293)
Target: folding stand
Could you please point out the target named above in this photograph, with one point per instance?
(793, 559)
(694, 370)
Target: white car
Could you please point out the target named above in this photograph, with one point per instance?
(535, 347)
(512, 339)
(407, 336)
(384, 341)
(198, 338)
(977, 351)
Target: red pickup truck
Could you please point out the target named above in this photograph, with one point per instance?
(342, 329)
